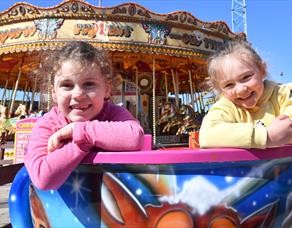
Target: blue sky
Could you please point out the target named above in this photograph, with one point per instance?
(268, 24)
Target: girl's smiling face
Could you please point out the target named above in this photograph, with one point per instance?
(79, 90)
(241, 83)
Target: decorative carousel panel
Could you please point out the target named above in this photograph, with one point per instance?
(125, 27)
(241, 193)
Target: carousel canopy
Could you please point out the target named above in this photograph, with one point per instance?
(27, 30)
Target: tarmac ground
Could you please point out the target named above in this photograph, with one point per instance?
(4, 211)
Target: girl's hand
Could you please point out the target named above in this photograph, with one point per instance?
(57, 139)
(280, 131)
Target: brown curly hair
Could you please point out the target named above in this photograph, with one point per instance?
(79, 51)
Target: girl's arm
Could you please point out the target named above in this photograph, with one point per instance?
(109, 135)
(50, 170)
(285, 100)
(280, 131)
(216, 131)
(115, 130)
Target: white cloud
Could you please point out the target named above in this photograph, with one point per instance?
(201, 194)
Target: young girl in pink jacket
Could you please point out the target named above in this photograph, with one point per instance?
(83, 119)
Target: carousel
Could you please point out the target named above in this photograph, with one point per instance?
(159, 61)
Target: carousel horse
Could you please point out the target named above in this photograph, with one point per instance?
(188, 124)
(34, 114)
(3, 120)
(20, 112)
(168, 111)
(177, 119)
(3, 113)
(191, 121)
(9, 125)
(185, 118)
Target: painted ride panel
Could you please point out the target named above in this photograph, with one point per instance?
(164, 188)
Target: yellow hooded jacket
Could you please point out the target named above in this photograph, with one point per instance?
(227, 125)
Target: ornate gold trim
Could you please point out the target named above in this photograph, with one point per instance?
(120, 47)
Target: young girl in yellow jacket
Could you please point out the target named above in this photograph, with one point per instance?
(251, 112)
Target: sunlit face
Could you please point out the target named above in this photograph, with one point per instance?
(79, 90)
(241, 83)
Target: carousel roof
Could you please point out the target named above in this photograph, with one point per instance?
(126, 27)
(27, 30)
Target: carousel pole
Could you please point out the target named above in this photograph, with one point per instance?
(16, 87)
(191, 87)
(166, 85)
(196, 96)
(175, 88)
(39, 103)
(33, 93)
(123, 91)
(4, 93)
(202, 101)
(191, 84)
(49, 102)
(27, 94)
(24, 92)
(137, 92)
(10, 93)
(153, 102)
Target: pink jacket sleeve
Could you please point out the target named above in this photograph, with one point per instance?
(109, 135)
(122, 132)
(49, 171)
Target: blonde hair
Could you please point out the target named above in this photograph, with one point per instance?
(240, 49)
